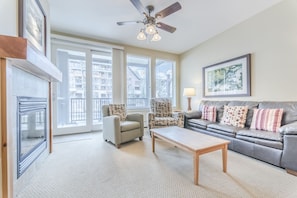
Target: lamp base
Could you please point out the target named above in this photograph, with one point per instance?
(189, 104)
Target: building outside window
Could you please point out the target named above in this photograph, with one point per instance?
(138, 81)
(165, 80)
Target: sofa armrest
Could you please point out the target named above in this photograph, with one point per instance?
(288, 129)
(193, 114)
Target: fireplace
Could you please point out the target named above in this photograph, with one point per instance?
(26, 102)
(31, 130)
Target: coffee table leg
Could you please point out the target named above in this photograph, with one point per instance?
(196, 168)
(224, 156)
(153, 142)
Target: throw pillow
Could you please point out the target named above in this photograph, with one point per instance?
(119, 110)
(234, 115)
(267, 119)
(209, 113)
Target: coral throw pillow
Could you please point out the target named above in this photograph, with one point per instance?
(234, 116)
(209, 113)
(267, 119)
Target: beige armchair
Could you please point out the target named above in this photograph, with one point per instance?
(161, 114)
(118, 127)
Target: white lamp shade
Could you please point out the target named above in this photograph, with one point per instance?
(189, 92)
(141, 35)
(150, 29)
(156, 37)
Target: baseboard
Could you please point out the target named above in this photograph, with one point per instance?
(291, 172)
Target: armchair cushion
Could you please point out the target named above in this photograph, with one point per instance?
(129, 125)
(119, 110)
(165, 121)
(162, 109)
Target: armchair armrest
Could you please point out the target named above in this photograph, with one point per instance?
(288, 129)
(112, 125)
(150, 120)
(180, 118)
(193, 114)
(135, 117)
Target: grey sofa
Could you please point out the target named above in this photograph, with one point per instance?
(277, 148)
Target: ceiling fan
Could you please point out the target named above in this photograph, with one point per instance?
(152, 22)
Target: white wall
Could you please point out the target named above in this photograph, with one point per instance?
(271, 38)
(8, 17)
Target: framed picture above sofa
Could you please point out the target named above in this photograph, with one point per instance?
(228, 78)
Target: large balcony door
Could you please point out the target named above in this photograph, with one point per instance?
(86, 85)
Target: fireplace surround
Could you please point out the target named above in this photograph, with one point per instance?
(26, 77)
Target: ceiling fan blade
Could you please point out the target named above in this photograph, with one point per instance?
(138, 5)
(166, 27)
(128, 22)
(169, 10)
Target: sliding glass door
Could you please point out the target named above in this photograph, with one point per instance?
(86, 85)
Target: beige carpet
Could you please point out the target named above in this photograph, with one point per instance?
(86, 166)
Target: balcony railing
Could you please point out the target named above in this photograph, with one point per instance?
(78, 107)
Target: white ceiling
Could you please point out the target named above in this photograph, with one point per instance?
(196, 22)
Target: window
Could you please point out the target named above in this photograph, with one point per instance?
(138, 81)
(165, 80)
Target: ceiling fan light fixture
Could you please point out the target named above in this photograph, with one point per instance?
(156, 37)
(150, 29)
(151, 23)
(141, 35)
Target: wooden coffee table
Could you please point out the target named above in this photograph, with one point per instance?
(194, 142)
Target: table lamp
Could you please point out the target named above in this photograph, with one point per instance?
(189, 92)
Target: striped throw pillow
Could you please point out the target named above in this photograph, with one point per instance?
(267, 119)
(209, 113)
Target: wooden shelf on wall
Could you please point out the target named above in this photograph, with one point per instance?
(23, 55)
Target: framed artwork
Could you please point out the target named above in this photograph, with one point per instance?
(229, 78)
(32, 23)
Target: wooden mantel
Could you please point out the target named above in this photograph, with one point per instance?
(23, 55)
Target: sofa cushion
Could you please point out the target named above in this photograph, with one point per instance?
(234, 116)
(200, 123)
(119, 110)
(265, 138)
(209, 113)
(267, 119)
(223, 129)
(251, 106)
